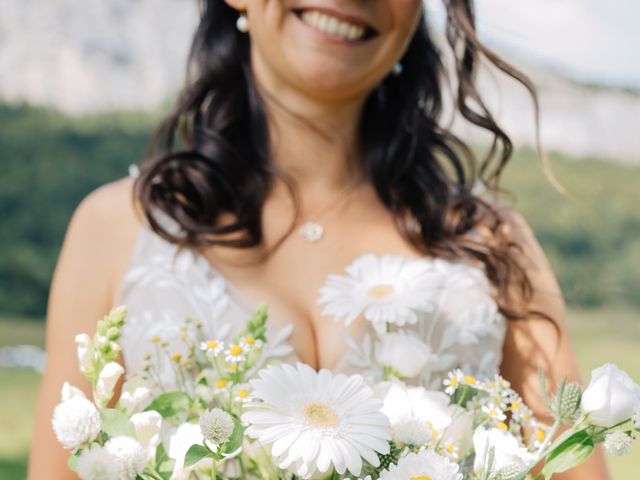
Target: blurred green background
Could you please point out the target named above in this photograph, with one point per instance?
(590, 238)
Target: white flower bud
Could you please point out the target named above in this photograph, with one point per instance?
(76, 422)
(617, 443)
(107, 380)
(148, 425)
(136, 394)
(404, 353)
(216, 426)
(96, 464)
(204, 392)
(85, 352)
(69, 391)
(611, 397)
(129, 456)
(508, 454)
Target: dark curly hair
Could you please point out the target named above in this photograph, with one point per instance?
(210, 156)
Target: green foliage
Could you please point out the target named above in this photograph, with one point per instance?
(573, 451)
(195, 454)
(49, 162)
(116, 423)
(170, 403)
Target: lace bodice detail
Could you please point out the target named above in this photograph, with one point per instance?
(445, 308)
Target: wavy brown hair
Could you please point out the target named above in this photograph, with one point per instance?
(210, 157)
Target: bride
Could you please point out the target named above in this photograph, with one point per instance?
(305, 165)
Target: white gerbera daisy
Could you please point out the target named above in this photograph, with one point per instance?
(314, 421)
(425, 464)
(386, 289)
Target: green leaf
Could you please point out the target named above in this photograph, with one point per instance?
(571, 452)
(72, 462)
(195, 454)
(115, 423)
(235, 440)
(168, 404)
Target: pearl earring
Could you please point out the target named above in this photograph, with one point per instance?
(397, 69)
(242, 23)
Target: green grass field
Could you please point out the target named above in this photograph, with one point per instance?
(598, 336)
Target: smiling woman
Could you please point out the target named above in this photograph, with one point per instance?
(324, 115)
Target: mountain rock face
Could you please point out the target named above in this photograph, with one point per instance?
(97, 55)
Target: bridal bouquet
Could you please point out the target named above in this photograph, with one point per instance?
(231, 410)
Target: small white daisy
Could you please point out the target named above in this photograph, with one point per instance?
(235, 353)
(425, 464)
(387, 289)
(214, 347)
(493, 411)
(618, 443)
(314, 421)
(242, 393)
(453, 381)
(248, 343)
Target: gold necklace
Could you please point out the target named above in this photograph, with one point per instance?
(311, 230)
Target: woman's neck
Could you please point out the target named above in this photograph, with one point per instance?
(313, 141)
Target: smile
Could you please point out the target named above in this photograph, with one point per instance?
(334, 26)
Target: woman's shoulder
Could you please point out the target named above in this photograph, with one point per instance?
(104, 228)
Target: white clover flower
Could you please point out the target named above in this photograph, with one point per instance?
(97, 464)
(148, 426)
(76, 422)
(315, 421)
(618, 443)
(129, 456)
(216, 426)
(508, 452)
(425, 464)
(387, 289)
(404, 353)
(107, 379)
(137, 393)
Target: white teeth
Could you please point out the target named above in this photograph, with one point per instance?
(332, 25)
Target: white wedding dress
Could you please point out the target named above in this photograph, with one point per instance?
(164, 285)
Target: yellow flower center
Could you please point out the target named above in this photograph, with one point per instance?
(451, 448)
(155, 339)
(540, 435)
(502, 426)
(249, 340)
(212, 344)
(469, 380)
(176, 357)
(320, 415)
(421, 477)
(515, 406)
(233, 367)
(235, 350)
(221, 383)
(381, 291)
(242, 393)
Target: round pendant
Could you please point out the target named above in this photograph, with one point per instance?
(311, 231)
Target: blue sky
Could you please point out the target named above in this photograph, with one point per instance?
(593, 40)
